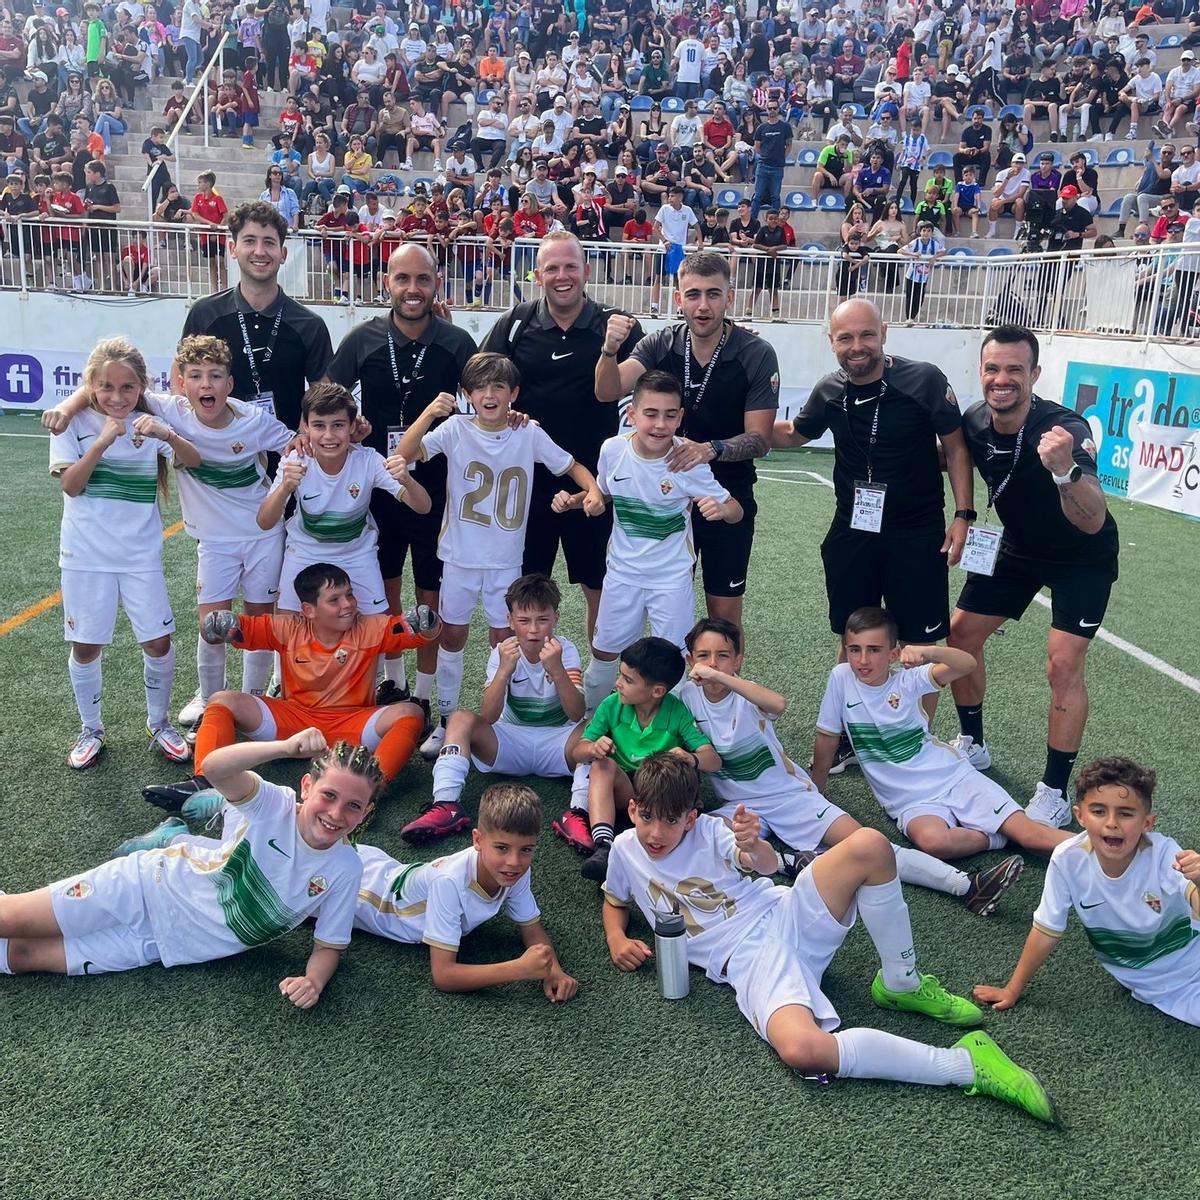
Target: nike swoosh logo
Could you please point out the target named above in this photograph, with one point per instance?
(274, 846)
(865, 400)
(996, 810)
(312, 497)
(169, 621)
(303, 660)
(822, 812)
(272, 591)
(1088, 624)
(556, 357)
(87, 964)
(932, 628)
(621, 478)
(411, 378)
(1093, 905)
(736, 582)
(854, 705)
(83, 437)
(910, 971)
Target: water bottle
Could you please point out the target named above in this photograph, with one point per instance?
(670, 953)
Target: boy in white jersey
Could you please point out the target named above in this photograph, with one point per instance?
(773, 944)
(740, 718)
(530, 717)
(439, 902)
(199, 899)
(112, 465)
(1134, 891)
(489, 473)
(650, 552)
(332, 521)
(941, 803)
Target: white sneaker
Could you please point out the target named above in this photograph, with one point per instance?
(437, 164)
(1096, 137)
(1131, 136)
(431, 746)
(192, 711)
(406, 165)
(85, 749)
(1108, 137)
(170, 743)
(1049, 807)
(976, 752)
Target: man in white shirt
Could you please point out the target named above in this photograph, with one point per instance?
(673, 227)
(1143, 94)
(1185, 179)
(525, 126)
(687, 61)
(559, 117)
(1180, 93)
(1009, 192)
(845, 128)
(686, 129)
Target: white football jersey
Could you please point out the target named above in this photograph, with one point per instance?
(489, 479)
(753, 763)
(1141, 924)
(720, 905)
(333, 512)
(532, 698)
(208, 899)
(651, 540)
(114, 524)
(437, 902)
(903, 762)
(220, 497)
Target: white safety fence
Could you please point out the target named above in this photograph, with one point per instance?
(1144, 292)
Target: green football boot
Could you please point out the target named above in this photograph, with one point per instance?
(997, 1075)
(930, 998)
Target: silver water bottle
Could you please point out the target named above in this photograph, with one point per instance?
(670, 953)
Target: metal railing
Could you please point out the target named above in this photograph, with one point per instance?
(1140, 293)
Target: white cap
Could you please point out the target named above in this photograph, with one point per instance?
(1018, 157)
(952, 69)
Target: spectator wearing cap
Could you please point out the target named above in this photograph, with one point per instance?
(1181, 91)
(623, 198)
(1054, 36)
(923, 253)
(948, 99)
(1074, 221)
(1008, 194)
(522, 83)
(38, 104)
(811, 31)
(656, 78)
(560, 117)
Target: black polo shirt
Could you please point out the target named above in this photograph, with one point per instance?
(976, 138)
(773, 139)
(746, 378)
(916, 407)
(558, 374)
(1030, 505)
(430, 364)
(300, 355)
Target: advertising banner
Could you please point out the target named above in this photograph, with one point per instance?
(36, 379)
(1164, 468)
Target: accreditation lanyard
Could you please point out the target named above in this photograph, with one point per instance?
(396, 432)
(268, 353)
(998, 491)
(687, 369)
(982, 546)
(869, 497)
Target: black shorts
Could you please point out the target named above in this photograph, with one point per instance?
(584, 539)
(212, 247)
(403, 532)
(1078, 593)
(103, 241)
(903, 569)
(724, 549)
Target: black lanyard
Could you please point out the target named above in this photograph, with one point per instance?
(874, 435)
(687, 369)
(994, 495)
(416, 366)
(268, 353)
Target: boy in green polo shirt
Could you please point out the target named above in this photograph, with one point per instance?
(96, 33)
(639, 719)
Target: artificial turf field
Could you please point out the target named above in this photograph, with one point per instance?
(202, 1082)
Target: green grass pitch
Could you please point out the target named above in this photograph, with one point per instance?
(202, 1082)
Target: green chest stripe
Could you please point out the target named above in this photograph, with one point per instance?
(530, 710)
(136, 484)
(397, 888)
(642, 520)
(1120, 948)
(253, 910)
(873, 744)
(227, 476)
(333, 526)
(745, 762)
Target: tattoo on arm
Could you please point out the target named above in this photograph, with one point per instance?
(1078, 504)
(743, 446)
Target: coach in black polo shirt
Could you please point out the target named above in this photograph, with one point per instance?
(555, 344)
(278, 345)
(1038, 462)
(887, 416)
(402, 361)
(730, 384)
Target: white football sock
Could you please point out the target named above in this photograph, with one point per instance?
(885, 914)
(450, 770)
(598, 681)
(923, 870)
(579, 786)
(1064, 118)
(449, 679)
(423, 685)
(276, 677)
(210, 667)
(5, 969)
(86, 684)
(257, 666)
(393, 669)
(997, 841)
(157, 675)
(873, 1054)
(991, 229)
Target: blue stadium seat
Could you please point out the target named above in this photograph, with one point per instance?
(1012, 110)
(1122, 156)
(672, 104)
(941, 158)
(815, 248)
(971, 109)
(1170, 42)
(907, 208)
(801, 201)
(728, 197)
(640, 104)
(807, 157)
(1114, 208)
(859, 111)
(832, 201)
(486, 95)
(1056, 155)
(1001, 252)
(1090, 155)
(961, 252)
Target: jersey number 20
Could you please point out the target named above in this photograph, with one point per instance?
(505, 495)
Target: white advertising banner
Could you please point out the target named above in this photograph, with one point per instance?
(1164, 468)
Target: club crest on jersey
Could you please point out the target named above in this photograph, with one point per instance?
(775, 383)
(80, 890)
(341, 654)
(354, 489)
(138, 439)
(316, 885)
(1089, 446)
(1152, 901)
(70, 622)
(666, 487)
(893, 700)
(238, 447)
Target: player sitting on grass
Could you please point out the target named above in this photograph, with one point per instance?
(327, 653)
(219, 499)
(112, 465)
(650, 554)
(773, 944)
(529, 719)
(333, 488)
(438, 902)
(1133, 890)
(489, 473)
(941, 803)
(200, 899)
(639, 719)
(740, 718)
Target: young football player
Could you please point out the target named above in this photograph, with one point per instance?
(740, 718)
(112, 466)
(489, 472)
(1133, 890)
(941, 803)
(200, 899)
(773, 944)
(439, 902)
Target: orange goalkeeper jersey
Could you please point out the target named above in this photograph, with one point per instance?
(318, 676)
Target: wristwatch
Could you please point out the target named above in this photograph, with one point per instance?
(965, 514)
(1070, 477)
(718, 448)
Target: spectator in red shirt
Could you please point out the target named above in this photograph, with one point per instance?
(336, 249)
(250, 105)
(291, 121)
(210, 210)
(63, 207)
(528, 220)
(638, 229)
(418, 224)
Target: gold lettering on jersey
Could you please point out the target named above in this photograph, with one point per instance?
(503, 498)
(693, 896)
